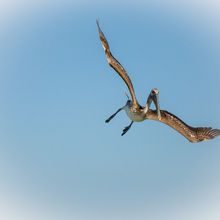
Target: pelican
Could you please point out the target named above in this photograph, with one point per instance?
(138, 113)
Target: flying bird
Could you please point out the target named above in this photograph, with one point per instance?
(138, 113)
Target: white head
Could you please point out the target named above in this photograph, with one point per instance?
(154, 92)
(155, 97)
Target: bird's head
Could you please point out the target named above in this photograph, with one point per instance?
(155, 97)
(154, 92)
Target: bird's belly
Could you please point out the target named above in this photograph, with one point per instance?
(135, 116)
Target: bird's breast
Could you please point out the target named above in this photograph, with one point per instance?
(134, 115)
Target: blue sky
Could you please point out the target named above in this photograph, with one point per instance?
(59, 160)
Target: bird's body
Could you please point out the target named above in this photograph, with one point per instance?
(137, 113)
(134, 114)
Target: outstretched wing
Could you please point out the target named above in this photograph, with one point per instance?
(193, 134)
(117, 66)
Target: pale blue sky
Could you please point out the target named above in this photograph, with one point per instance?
(59, 160)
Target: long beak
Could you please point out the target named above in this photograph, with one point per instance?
(156, 102)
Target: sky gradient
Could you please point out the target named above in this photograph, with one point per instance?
(59, 160)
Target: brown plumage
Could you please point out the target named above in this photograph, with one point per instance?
(138, 113)
(117, 66)
(193, 134)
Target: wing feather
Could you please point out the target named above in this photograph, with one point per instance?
(117, 66)
(193, 134)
